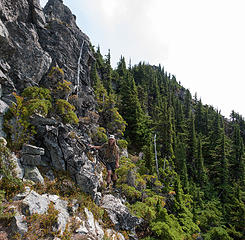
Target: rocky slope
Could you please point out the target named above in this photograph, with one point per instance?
(32, 42)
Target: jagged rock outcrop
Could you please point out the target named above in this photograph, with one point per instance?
(119, 213)
(33, 41)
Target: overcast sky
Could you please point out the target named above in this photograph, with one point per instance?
(201, 42)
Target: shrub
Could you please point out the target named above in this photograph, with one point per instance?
(36, 93)
(62, 90)
(16, 124)
(37, 106)
(66, 111)
(9, 183)
(217, 233)
(122, 143)
(100, 136)
(131, 193)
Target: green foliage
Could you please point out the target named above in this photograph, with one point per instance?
(62, 90)
(130, 192)
(17, 125)
(56, 70)
(9, 183)
(39, 107)
(210, 215)
(167, 227)
(122, 143)
(36, 93)
(66, 111)
(217, 233)
(100, 136)
(109, 115)
(143, 210)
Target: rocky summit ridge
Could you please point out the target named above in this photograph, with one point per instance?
(33, 43)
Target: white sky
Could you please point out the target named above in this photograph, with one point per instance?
(201, 42)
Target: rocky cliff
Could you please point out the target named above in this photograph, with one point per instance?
(33, 43)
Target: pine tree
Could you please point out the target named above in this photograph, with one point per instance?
(191, 148)
(107, 76)
(180, 164)
(201, 171)
(238, 156)
(132, 112)
(187, 103)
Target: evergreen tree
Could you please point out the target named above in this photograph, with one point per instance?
(237, 156)
(180, 164)
(107, 75)
(187, 103)
(201, 171)
(191, 148)
(131, 111)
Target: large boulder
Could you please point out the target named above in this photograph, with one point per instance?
(32, 173)
(119, 213)
(35, 203)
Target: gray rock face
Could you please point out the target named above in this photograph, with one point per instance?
(32, 150)
(69, 47)
(3, 109)
(28, 60)
(119, 213)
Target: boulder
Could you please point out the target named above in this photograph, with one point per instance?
(119, 213)
(93, 226)
(35, 203)
(32, 150)
(63, 216)
(32, 160)
(87, 181)
(21, 196)
(18, 224)
(19, 170)
(112, 234)
(82, 228)
(32, 173)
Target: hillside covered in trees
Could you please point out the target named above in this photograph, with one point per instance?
(197, 160)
